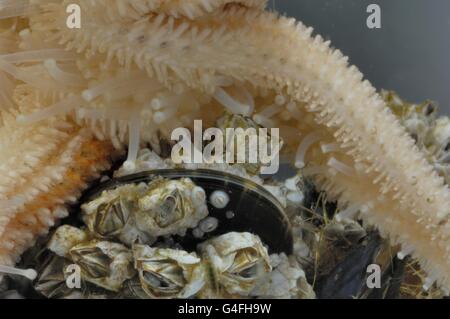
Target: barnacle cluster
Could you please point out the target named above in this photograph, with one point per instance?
(145, 211)
(230, 265)
(118, 226)
(430, 131)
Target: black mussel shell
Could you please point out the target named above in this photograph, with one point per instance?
(254, 209)
(348, 278)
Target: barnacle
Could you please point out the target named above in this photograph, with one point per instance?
(286, 280)
(142, 212)
(237, 261)
(168, 273)
(105, 264)
(52, 280)
(431, 133)
(138, 68)
(252, 128)
(66, 237)
(178, 203)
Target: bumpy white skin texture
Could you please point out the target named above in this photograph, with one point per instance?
(135, 9)
(374, 164)
(41, 171)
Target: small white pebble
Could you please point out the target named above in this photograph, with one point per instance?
(209, 224)
(291, 183)
(274, 190)
(219, 199)
(295, 197)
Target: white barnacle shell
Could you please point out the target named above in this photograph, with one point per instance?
(170, 207)
(111, 215)
(105, 264)
(142, 212)
(109, 218)
(279, 192)
(237, 260)
(345, 230)
(251, 128)
(168, 273)
(294, 195)
(295, 198)
(64, 238)
(441, 132)
(52, 282)
(198, 196)
(209, 224)
(286, 281)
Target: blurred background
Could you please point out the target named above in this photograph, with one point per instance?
(409, 54)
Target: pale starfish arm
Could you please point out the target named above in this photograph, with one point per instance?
(44, 166)
(375, 165)
(136, 9)
(9, 40)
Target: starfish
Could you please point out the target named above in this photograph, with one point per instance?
(136, 67)
(52, 161)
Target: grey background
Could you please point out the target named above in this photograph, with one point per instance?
(409, 54)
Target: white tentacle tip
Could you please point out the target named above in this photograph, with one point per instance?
(300, 164)
(129, 166)
(258, 119)
(30, 274)
(428, 283)
(401, 255)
